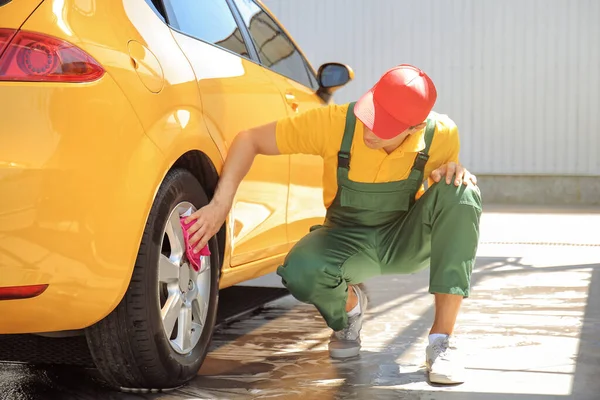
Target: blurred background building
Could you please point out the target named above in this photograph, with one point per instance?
(521, 78)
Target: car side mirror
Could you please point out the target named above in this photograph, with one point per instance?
(333, 76)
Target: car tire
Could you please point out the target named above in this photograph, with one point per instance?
(130, 346)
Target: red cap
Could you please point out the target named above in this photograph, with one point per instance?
(403, 97)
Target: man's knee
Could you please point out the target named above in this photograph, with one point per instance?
(463, 194)
(304, 273)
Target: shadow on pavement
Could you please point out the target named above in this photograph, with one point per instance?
(265, 359)
(587, 370)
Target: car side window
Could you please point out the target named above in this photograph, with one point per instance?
(275, 49)
(211, 21)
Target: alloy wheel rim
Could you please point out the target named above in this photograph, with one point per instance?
(183, 292)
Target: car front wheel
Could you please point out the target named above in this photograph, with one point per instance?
(158, 335)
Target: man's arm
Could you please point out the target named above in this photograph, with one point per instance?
(304, 133)
(452, 167)
(245, 147)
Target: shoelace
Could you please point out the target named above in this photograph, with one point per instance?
(345, 333)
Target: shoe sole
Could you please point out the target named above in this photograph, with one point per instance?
(351, 351)
(344, 353)
(445, 379)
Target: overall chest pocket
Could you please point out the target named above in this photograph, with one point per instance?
(374, 200)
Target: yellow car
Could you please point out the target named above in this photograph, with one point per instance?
(115, 119)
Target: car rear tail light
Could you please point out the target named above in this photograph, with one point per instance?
(5, 36)
(34, 57)
(21, 292)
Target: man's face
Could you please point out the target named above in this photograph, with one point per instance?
(372, 141)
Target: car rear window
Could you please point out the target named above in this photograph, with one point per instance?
(158, 8)
(211, 21)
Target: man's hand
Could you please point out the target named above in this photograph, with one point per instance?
(449, 170)
(209, 220)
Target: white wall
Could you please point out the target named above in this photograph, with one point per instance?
(519, 77)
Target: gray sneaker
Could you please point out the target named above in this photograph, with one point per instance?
(445, 362)
(346, 343)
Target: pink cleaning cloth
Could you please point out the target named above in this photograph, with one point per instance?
(194, 258)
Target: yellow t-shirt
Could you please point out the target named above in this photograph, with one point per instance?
(319, 131)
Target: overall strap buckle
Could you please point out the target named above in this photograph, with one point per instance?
(343, 160)
(420, 161)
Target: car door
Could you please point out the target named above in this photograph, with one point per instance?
(288, 68)
(237, 95)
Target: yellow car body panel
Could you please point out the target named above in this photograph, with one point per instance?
(15, 13)
(229, 86)
(74, 201)
(306, 171)
(80, 163)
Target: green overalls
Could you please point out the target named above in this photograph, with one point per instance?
(378, 228)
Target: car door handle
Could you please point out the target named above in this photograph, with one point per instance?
(291, 99)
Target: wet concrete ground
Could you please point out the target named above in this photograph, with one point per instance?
(531, 330)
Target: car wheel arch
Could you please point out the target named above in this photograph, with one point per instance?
(201, 166)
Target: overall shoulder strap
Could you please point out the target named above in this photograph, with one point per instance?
(344, 153)
(423, 156)
(429, 131)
